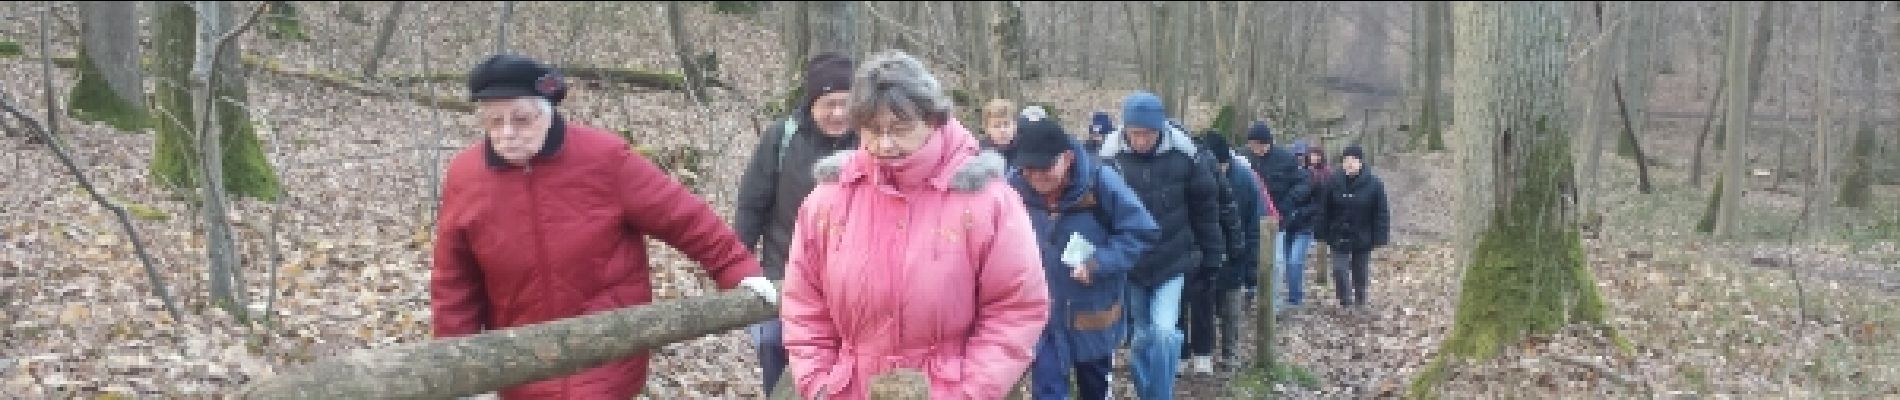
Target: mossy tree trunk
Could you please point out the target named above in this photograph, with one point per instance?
(1857, 185)
(246, 171)
(111, 87)
(1822, 154)
(1857, 180)
(1525, 272)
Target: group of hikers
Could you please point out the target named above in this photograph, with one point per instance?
(892, 238)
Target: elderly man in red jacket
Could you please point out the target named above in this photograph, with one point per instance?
(548, 218)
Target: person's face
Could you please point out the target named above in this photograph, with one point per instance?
(890, 138)
(1313, 159)
(1002, 130)
(1258, 148)
(1142, 140)
(1049, 180)
(1351, 164)
(514, 127)
(828, 111)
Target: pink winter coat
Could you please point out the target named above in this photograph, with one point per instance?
(930, 265)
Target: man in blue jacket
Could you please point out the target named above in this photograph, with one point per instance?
(1076, 205)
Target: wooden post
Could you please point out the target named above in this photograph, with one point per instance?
(1263, 300)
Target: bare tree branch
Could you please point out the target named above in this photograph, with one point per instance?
(125, 221)
(928, 47)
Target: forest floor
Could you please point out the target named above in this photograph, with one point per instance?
(349, 243)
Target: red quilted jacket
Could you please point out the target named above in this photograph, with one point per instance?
(564, 236)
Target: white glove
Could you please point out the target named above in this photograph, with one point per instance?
(763, 287)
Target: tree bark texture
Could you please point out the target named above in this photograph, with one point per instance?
(246, 171)
(1736, 119)
(683, 51)
(1525, 271)
(111, 87)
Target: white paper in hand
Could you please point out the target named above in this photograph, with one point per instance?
(1078, 251)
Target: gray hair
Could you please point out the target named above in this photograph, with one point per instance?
(893, 80)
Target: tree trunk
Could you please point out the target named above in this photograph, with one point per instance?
(1822, 153)
(1004, 43)
(683, 50)
(501, 26)
(1431, 107)
(1596, 100)
(1629, 135)
(1708, 125)
(111, 87)
(1178, 67)
(1733, 161)
(1638, 69)
(246, 171)
(1525, 273)
(485, 362)
(384, 34)
(1856, 183)
(1757, 59)
(834, 27)
(797, 40)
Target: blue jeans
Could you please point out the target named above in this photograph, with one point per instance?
(1290, 259)
(1153, 315)
(768, 342)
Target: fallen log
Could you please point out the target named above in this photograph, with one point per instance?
(486, 362)
(340, 82)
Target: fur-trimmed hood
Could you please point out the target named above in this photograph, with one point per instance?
(973, 166)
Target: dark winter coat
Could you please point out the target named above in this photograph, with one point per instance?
(1354, 215)
(776, 181)
(1292, 194)
(563, 236)
(1182, 196)
(1249, 208)
(1086, 319)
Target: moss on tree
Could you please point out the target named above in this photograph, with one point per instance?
(93, 100)
(737, 7)
(1431, 128)
(1224, 123)
(1857, 185)
(1528, 274)
(1707, 223)
(10, 48)
(282, 23)
(175, 159)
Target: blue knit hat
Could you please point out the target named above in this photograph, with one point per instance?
(1144, 110)
(1101, 124)
(1260, 132)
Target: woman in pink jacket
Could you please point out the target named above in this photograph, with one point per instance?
(912, 253)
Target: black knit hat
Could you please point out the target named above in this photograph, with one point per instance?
(1218, 145)
(509, 76)
(826, 73)
(1353, 151)
(1039, 142)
